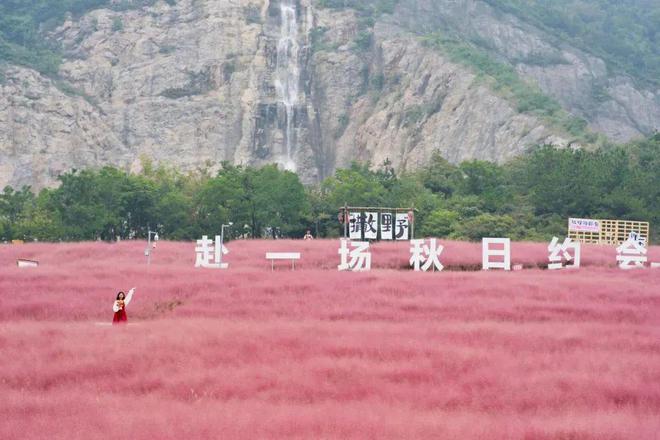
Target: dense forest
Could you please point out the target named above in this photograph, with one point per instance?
(529, 198)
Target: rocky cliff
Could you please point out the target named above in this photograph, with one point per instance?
(196, 82)
(611, 103)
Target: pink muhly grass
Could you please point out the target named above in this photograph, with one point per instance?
(250, 353)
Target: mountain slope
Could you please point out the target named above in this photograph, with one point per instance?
(310, 86)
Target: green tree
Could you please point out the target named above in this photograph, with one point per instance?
(485, 225)
(440, 176)
(39, 221)
(440, 223)
(355, 186)
(13, 205)
(280, 200)
(228, 197)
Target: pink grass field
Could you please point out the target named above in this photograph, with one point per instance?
(250, 353)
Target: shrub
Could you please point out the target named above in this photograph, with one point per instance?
(485, 225)
(117, 24)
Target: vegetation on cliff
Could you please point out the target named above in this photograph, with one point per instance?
(625, 34)
(504, 80)
(23, 24)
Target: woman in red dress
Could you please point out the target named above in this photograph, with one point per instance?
(119, 307)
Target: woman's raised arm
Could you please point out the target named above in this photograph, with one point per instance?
(129, 296)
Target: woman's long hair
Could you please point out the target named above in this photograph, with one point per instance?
(121, 293)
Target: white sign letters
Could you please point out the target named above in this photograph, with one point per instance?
(355, 226)
(632, 253)
(386, 226)
(402, 227)
(560, 252)
(423, 256)
(370, 225)
(487, 252)
(208, 253)
(360, 257)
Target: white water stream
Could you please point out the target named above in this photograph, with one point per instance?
(287, 75)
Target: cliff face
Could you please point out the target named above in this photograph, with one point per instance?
(258, 81)
(612, 104)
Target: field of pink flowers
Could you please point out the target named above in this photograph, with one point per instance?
(250, 353)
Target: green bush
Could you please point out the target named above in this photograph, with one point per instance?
(485, 225)
(440, 223)
(117, 24)
(252, 14)
(363, 41)
(365, 7)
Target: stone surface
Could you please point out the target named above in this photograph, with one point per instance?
(612, 104)
(193, 84)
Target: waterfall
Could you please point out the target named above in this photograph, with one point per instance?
(287, 75)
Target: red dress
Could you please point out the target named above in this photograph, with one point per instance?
(119, 307)
(120, 317)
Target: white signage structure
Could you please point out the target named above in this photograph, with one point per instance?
(638, 238)
(423, 256)
(386, 226)
(292, 256)
(488, 251)
(402, 227)
(22, 263)
(370, 225)
(360, 257)
(355, 226)
(631, 254)
(583, 225)
(560, 252)
(208, 253)
(377, 223)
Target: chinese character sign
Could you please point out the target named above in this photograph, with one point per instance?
(423, 257)
(402, 226)
(370, 225)
(356, 259)
(355, 226)
(583, 225)
(208, 253)
(631, 254)
(499, 248)
(425, 254)
(386, 226)
(561, 252)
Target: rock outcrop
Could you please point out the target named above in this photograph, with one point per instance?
(612, 104)
(200, 81)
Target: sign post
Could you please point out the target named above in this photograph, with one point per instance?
(150, 247)
(377, 223)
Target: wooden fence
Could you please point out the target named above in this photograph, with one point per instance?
(612, 232)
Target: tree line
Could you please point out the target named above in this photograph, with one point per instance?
(527, 198)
